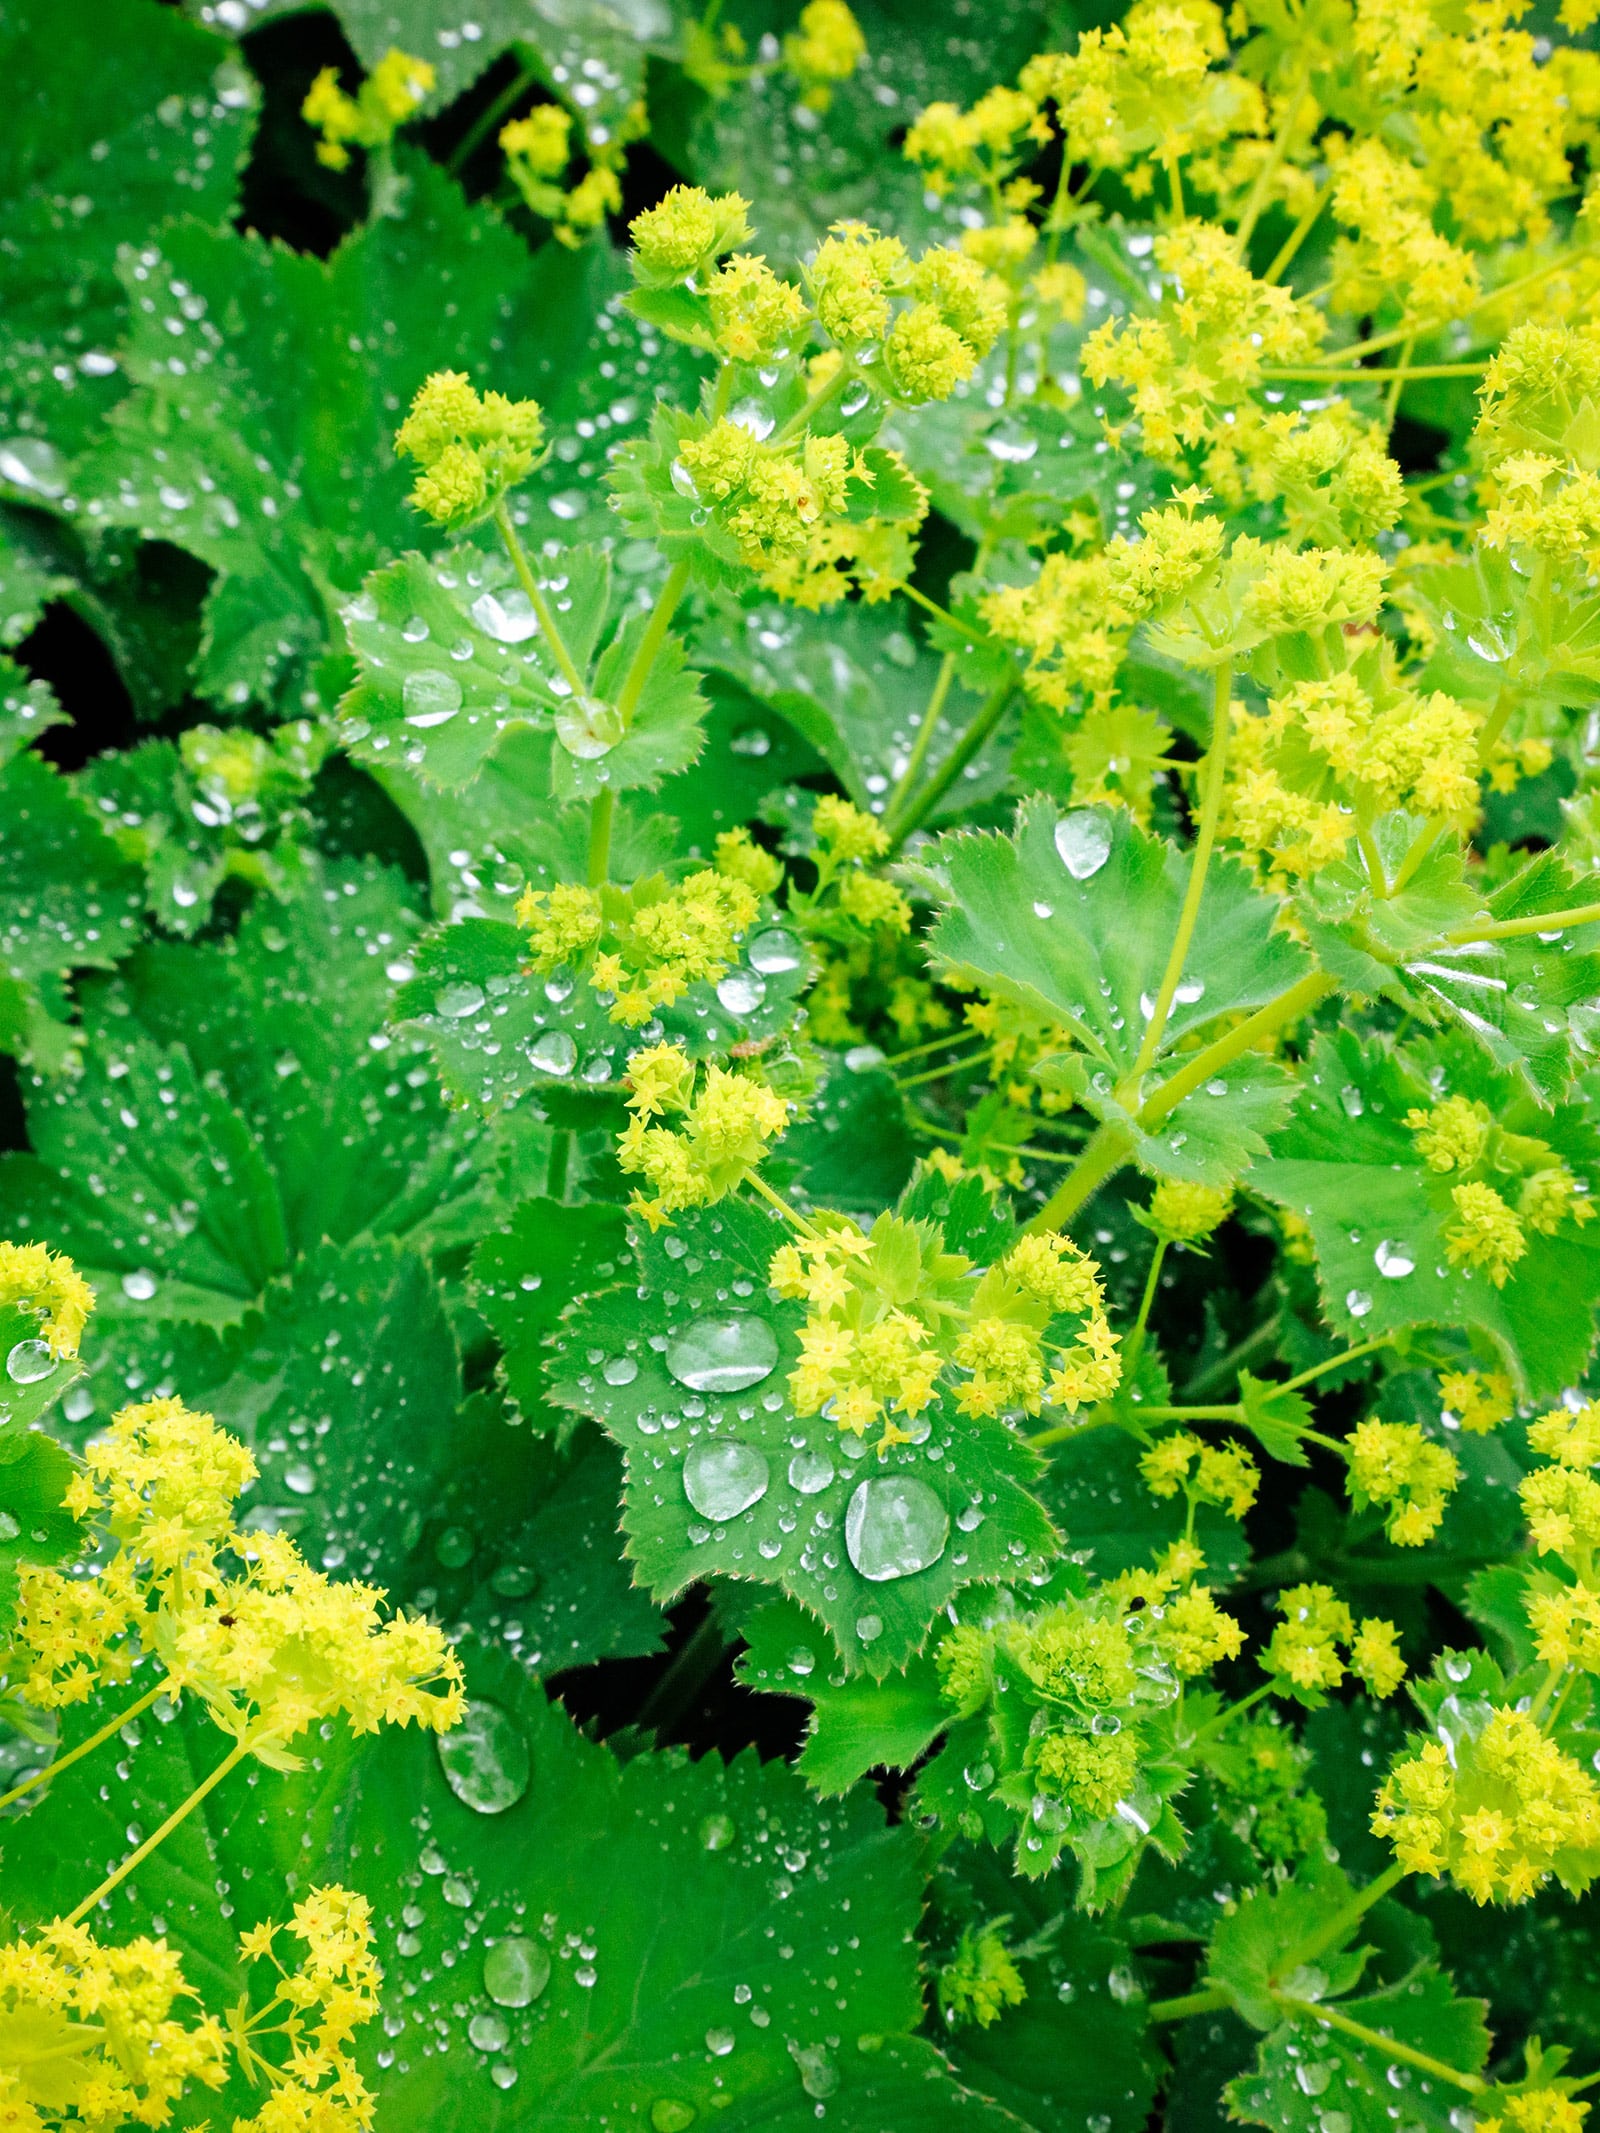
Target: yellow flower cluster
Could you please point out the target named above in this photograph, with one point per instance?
(1327, 759)
(844, 841)
(390, 94)
(646, 946)
(740, 858)
(538, 149)
(471, 447)
(1500, 1814)
(985, 142)
(1486, 1228)
(47, 1286)
(825, 48)
(755, 314)
(317, 2008)
(981, 1980)
(1536, 2110)
(772, 497)
(724, 1124)
(1201, 357)
(1186, 1213)
(269, 1648)
(684, 233)
(1318, 1639)
(89, 2035)
(1480, 1400)
(892, 1310)
(1394, 1464)
(1221, 1474)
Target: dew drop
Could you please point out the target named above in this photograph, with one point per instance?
(430, 698)
(489, 2032)
(1358, 1303)
(553, 1053)
(619, 1370)
(516, 1971)
(717, 1832)
(486, 1759)
(300, 1478)
(506, 617)
(667, 2115)
(895, 1526)
(1083, 840)
(774, 950)
(29, 1362)
(456, 1002)
(741, 992)
(1393, 1261)
(588, 729)
(723, 1354)
(719, 2042)
(723, 1478)
(810, 1472)
(140, 1285)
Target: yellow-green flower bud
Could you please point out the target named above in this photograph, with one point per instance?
(685, 233)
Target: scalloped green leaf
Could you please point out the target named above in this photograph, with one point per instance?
(724, 1479)
(1347, 1165)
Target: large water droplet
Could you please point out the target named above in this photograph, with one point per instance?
(1393, 1261)
(430, 697)
(588, 729)
(1358, 1303)
(810, 1472)
(1313, 2076)
(516, 1971)
(455, 1002)
(486, 1761)
(723, 1354)
(553, 1053)
(667, 2115)
(1084, 841)
(741, 992)
(723, 1478)
(719, 2042)
(506, 617)
(489, 2032)
(300, 1479)
(895, 1526)
(717, 1832)
(140, 1285)
(774, 949)
(819, 2077)
(29, 1362)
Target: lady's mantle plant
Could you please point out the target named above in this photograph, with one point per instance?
(852, 954)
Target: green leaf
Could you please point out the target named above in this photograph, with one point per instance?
(855, 683)
(120, 118)
(269, 452)
(525, 1277)
(68, 898)
(241, 1101)
(34, 1525)
(814, 1503)
(1348, 1166)
(856, 1725)
(1307, 2070)
(1076, 2050)
(1260, 1947)
(27, 709)
(452, 659)
(854, 1147)
(1071, 919)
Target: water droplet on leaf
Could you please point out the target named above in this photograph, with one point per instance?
(723, 1354)
(723, 1478)
(486, 1760)
(895, 1526)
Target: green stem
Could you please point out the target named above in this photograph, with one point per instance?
(1188, 916)
(1265, 175)
(1372, 860)
(1327, 375)
(1335, 1930)
(649, 646)
(1230, 1413)
(1298, 235)
(1288, 1007)
(1337, 1362)
(1106, 1150)
(1423, 843)
(486, 121)
(983, 724)
(828, 390)
(685, 1677)
(1401, 372)
(1378, 341)
(932, 713)
(536, 599)
(559, 1169)
(137, 1857)
(1211, 2001)
(602, 813)
(943, 614)
(775, 1199)
(84, 1747)
(1510, 929)
(1225, 1370)
(1391, 2047)
(1234, 1710)
(1135, 1347)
